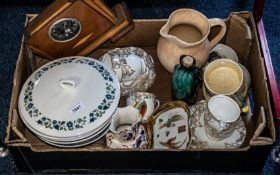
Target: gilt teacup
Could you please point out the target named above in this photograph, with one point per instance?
(222, 117)
(146, 102)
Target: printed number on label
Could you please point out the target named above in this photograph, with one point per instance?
(76, 108)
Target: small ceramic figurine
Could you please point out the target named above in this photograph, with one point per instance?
(186, 80)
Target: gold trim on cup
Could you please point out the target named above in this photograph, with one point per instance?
(165, 107)
(227, 126)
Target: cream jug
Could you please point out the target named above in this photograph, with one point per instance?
(186, 33)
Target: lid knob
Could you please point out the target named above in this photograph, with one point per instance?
(67, 83)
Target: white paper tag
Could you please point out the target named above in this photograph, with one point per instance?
(76, 107)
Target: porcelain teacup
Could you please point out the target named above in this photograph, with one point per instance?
(126, 129)
(146, 102)
(222, 117)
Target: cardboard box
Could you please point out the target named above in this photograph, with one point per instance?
(33, 155)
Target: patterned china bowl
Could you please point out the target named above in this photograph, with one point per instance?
(133, 66)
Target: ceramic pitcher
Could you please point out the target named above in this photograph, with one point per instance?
(126, 130)
(190, 37)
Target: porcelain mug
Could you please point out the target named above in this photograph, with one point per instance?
(145, 102)
(222, 117)
(225, 77)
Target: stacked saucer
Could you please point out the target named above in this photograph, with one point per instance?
(69, 102)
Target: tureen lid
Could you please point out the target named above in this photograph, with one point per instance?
(69, 97)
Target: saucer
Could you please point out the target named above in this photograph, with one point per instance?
(225, 51)
(199, 138)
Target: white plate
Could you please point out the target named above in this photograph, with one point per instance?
(81, 141)
(77, 140)
(225, 51)
(68, 139)
(199, 139)
(84, 143)
(69, 97)
(133, 66)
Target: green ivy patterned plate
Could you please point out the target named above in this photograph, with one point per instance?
(79, 143)
(69, 97)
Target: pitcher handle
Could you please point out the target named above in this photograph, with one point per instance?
(217, 22)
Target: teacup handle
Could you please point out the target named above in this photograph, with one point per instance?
(223, 125)
(217, 22)
(157, 104)
(242, 104)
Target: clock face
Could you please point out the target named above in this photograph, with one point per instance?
(65, 29)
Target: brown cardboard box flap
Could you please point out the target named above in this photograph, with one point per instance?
(246, 45)
(261, 124)
(16, 128)
(239, 37)
(14, 133)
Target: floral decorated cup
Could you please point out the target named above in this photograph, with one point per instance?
(140, 140)
(126, 131)
(146, 102)
(223, 116)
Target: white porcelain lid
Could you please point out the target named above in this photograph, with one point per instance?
(69, 97)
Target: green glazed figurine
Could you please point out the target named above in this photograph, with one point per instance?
(186, 80)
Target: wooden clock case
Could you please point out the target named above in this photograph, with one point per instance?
(98, 24)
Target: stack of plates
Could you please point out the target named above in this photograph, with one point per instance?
(69, 102)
